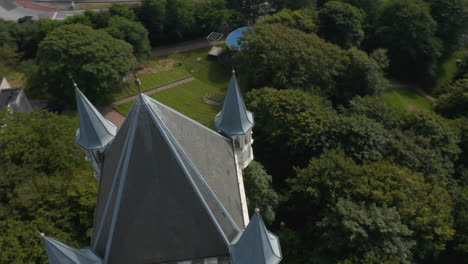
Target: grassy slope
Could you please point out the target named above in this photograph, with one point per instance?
(407, 98)
(188, 98)
(152, 81)
(447, 70)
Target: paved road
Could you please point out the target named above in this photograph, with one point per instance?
(13, 10)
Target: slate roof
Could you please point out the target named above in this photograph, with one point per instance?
(234, 119)
(15, 99)
(153, 199)
(60, 253)
(256, 245)
(95, 131)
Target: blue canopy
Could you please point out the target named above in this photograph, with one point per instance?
(232, 39)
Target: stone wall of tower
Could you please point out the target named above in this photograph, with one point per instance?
(243, 148)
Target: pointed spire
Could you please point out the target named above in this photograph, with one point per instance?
(177, 215)
(256, 245)
(95, 131)
(60, 253)
(234, 119)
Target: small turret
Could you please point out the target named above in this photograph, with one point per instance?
(256, 245)
(95, 132)
(235, 122)
(60, 253)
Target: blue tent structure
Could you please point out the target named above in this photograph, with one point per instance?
(232, 40)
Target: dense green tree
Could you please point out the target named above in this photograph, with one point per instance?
(452, 22)
(180, 18)
(79, 19)
(153, 15)
(122, 10)
(370, 7)
(259, 191)
(279, 4)
(287, 121)
(361, 138)
(363, 76)
(303, 19)
(95, 60)
(422, 203)
(280, 57)
(277, 56)
(407, 30)
(45, 185)
(98, 19)
(360, 230)
(380, 56)
(341, 23)
(454, 102)
(211, 15)
(132, 32)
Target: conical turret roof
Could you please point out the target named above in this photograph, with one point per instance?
(153, 204)
(234, 119)
(60, 253)
(95, 131)
(256, 245)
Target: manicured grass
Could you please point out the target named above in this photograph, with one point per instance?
(407, 98)
(203, 67)
(152, 81)
(188, 100)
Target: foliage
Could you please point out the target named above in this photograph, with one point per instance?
(341, 23)
(453, 103)
(380, 56)
(287, 58)
(122, 10)
(451, 20)
(93, 58)
(152, 14)
(303, 19)
(133, 33)
(45, 185)
(407, 30)
(363, 230)
(211, 15)
(287, 121)
(422, 203)
(361, 138)
(79, 19)
(259, 191)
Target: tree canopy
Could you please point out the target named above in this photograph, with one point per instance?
(45, 185)
(342, 24)
(95, 60)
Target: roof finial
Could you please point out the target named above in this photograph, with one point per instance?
(74, 83)
(257, 210)
(137, 82)
(233, 71)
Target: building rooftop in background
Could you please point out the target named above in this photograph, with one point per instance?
(13, 98)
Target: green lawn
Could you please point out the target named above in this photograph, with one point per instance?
(407, 98)
(187, 99)
(152, 81)
(203, 67)
(447, 70)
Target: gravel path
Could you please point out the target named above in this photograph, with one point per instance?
(117, 118)
(184, 46)
(394, 84)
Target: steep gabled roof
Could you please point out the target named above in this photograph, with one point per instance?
(234, 119)
(60, 253)
(256, 245)
(95, 131)
(153, 204)
(4, 83)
